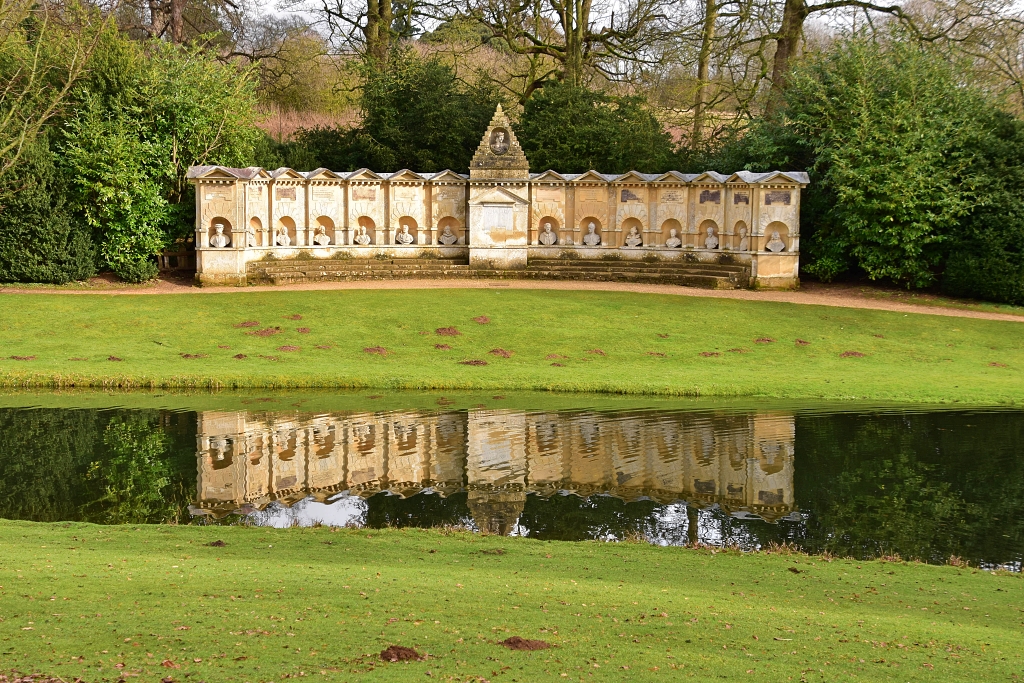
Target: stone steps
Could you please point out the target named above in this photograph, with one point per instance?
(683, 273)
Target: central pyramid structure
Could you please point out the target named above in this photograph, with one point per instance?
(499, 155)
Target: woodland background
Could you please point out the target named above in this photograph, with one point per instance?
(907, 116)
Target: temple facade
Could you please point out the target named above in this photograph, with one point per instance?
(499, 217)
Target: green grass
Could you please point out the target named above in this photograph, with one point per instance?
(921, 358)
(78, 600)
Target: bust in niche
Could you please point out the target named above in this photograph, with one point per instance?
(403, 236)
(591, 239)
(633, 239)
(711, 242)
(321, 237)
(281, 237)
(250, 236)
(744, 240)
(219, 239)
(775, 244)
(447, 237)
(548, 237)
(673, 241)
(499, 141)
(361, 237)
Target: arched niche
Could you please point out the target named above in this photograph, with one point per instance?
(739, 232)
(407, 223)
(585, 229)
(453, 224)
(779, 227)
(324, 226)
(365, 225)
(256, 231)
(702, 233)
(555, 227)
(212, 229)
(628, 225)
(666, 231)
(285, 226)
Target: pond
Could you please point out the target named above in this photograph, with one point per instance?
(857, 481)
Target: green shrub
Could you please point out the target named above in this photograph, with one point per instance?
(40, 241)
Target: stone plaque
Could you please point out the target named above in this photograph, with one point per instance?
(741, 198)
(778, 197)
(630, 196)
(591, 194)
(286, 193)
(671, 196)
(407, 193)
(711, 196)
(499, 141)
(549, 194)
(213, 194)
(364, 194)
(255, 192)
(323, 193)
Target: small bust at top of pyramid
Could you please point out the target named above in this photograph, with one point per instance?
(499, 154)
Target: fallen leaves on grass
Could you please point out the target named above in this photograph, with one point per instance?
(555, 356)
(169, 663)
(115, 359)
(289, 348)
(473, 361)
(398, 653)
(240, 356)
(764, 340)
(192, 356)
(597, 352)
(558, 365)
(802, 342)
(739, 350)
(794, 570)
(302, 330)
(447, 332)
(991, 365)
(78, 359)
(481, 319)
(266, 332)
(32, 678)
(442, 401)
(268, 357)
(223, 346)
(296, 316)
(851, 354)
(249, 323)
(376, 350)
(23, 357)
(663, 336)
(517, 643)
(442, 347)
(322, 346)
(500, 352)
(710, 354)
(216, 544)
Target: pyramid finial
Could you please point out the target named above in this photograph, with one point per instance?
(499, 154)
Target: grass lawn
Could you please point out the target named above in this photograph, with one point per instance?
(145, 603)
(554, 340)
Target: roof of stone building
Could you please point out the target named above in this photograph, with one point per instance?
(242, 173)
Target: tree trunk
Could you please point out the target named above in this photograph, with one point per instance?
(786, 49)
(575, 19)
(379, 15)
(707, 40)
(177, 24)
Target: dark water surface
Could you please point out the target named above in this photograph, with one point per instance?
(864, 483)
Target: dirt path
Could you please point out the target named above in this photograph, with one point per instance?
(843, 296)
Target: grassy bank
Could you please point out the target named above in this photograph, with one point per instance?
(106, 602)
(532, 340)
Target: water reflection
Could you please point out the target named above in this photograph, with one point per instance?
(740, 463)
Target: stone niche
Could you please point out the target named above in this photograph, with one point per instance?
(499, 216)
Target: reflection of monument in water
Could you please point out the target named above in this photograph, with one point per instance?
(741, 462)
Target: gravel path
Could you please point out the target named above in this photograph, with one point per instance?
(840, 295)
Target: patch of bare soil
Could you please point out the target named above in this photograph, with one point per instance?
(23, 357)
(191, 356)
(764, 340)
(802, 342)
(16, 677)
(398, 653)
(851, 354)
(266, 332)
(497, 398)
(517, 643)
(739, 350)
(78, 359)
(289, 348)
(322, 346)
(240, 356)
(249, 323)
(223, 346)
(216, 544)
(447, 332)
(377, 350)
(710, 354)
(481, 319)
(442, 347)
(663, 336)
(555, 356)
(115, 359)
(597, 352)
(880, 336)
(303, 330)
(659, 354)
(500, 352)
(997, 365)
(269, 357)
(558, 365)
(474, 361)
(293, 317)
